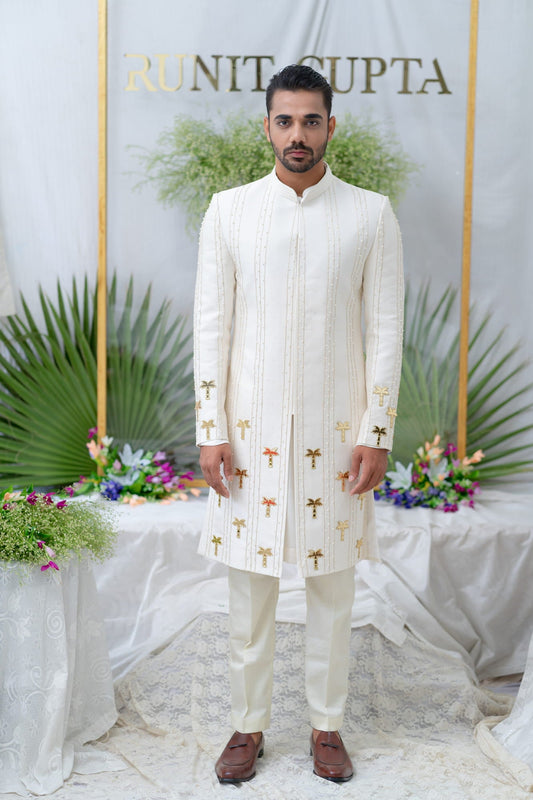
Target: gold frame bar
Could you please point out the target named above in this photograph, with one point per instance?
(101, 286)
(462, 407)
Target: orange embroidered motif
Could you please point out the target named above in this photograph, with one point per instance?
(342, 477)
(268, 502)
(241, 473)
(270, 452)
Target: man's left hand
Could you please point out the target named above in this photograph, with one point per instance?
(369, 465)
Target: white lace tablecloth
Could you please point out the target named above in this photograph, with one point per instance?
(460, 581)
(55, 677)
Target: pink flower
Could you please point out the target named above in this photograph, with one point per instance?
(117, 465)
(92, 432)
(61, 504)
(32, 498)
(47, 498)
(160, 456)
(69, 490)
(51, 564)
(94, 449)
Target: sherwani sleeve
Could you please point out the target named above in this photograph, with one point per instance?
(213, 313)
(383, 307)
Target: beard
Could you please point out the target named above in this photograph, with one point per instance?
(301, 164)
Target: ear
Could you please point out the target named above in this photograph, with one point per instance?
(265, 127)
(331, 127)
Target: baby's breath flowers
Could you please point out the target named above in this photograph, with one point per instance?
(434, 479)
(45, 529)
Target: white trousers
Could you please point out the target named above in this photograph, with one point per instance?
(252, 604)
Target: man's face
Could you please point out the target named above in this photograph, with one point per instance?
(298, 129)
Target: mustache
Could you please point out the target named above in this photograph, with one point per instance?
(297, 146)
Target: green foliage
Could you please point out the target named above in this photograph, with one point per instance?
(48, 385)
(77, 528)
(428, 393)
(193, 159)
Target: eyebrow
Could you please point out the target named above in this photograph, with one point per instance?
(306, 116)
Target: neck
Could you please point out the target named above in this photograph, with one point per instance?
(299, 181)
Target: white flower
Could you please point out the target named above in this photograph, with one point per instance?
(106, 440)
(437, 470)
(401, 478)
(133, 460)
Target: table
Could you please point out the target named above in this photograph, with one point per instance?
(57, 689)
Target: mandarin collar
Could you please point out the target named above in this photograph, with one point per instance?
(308, 194)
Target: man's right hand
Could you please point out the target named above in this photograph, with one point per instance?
(211, 457)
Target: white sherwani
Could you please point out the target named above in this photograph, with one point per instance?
(279, 347)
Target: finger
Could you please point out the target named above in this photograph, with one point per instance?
(228, 465)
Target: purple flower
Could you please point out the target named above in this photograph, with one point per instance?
(51, 564)
(92, 432)
(47, 498)
(69, 490)
(32, 498)
(110, 489)
(159, 456)
(61, 504)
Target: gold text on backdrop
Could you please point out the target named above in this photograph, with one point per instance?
(191, 73)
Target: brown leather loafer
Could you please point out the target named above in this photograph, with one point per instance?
(238, 759)
(330, 759)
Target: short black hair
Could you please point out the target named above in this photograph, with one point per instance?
(299, 76)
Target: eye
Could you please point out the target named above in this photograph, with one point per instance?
(313, 122)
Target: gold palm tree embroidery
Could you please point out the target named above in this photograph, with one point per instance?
(241, 473)
(207, 425)
(270, 453)
(343, 427)
(391, 412)
(359, 544)
(316, 554)
(341, 526)
(313, 455)
(216, 541)
(268, 502)
(219, 499)
(361, 500)
(379, 433)
(197, 407)
(342, 477)
(382, 391)
(207, 385)
(265, 552)
(313, 504)
(243, 424)
(239, 523)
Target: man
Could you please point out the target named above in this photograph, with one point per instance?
(294, 424)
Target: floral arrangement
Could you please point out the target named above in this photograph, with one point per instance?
(43, 528)
(132, 477)
(435, 479)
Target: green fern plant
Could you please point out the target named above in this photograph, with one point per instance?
(428, 393)
(194, 158)
(48, 385)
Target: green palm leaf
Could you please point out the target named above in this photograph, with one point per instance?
(428, 394)
(48, 385)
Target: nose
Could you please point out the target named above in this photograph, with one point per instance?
(298, 132)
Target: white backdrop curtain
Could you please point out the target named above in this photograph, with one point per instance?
(48, 129)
